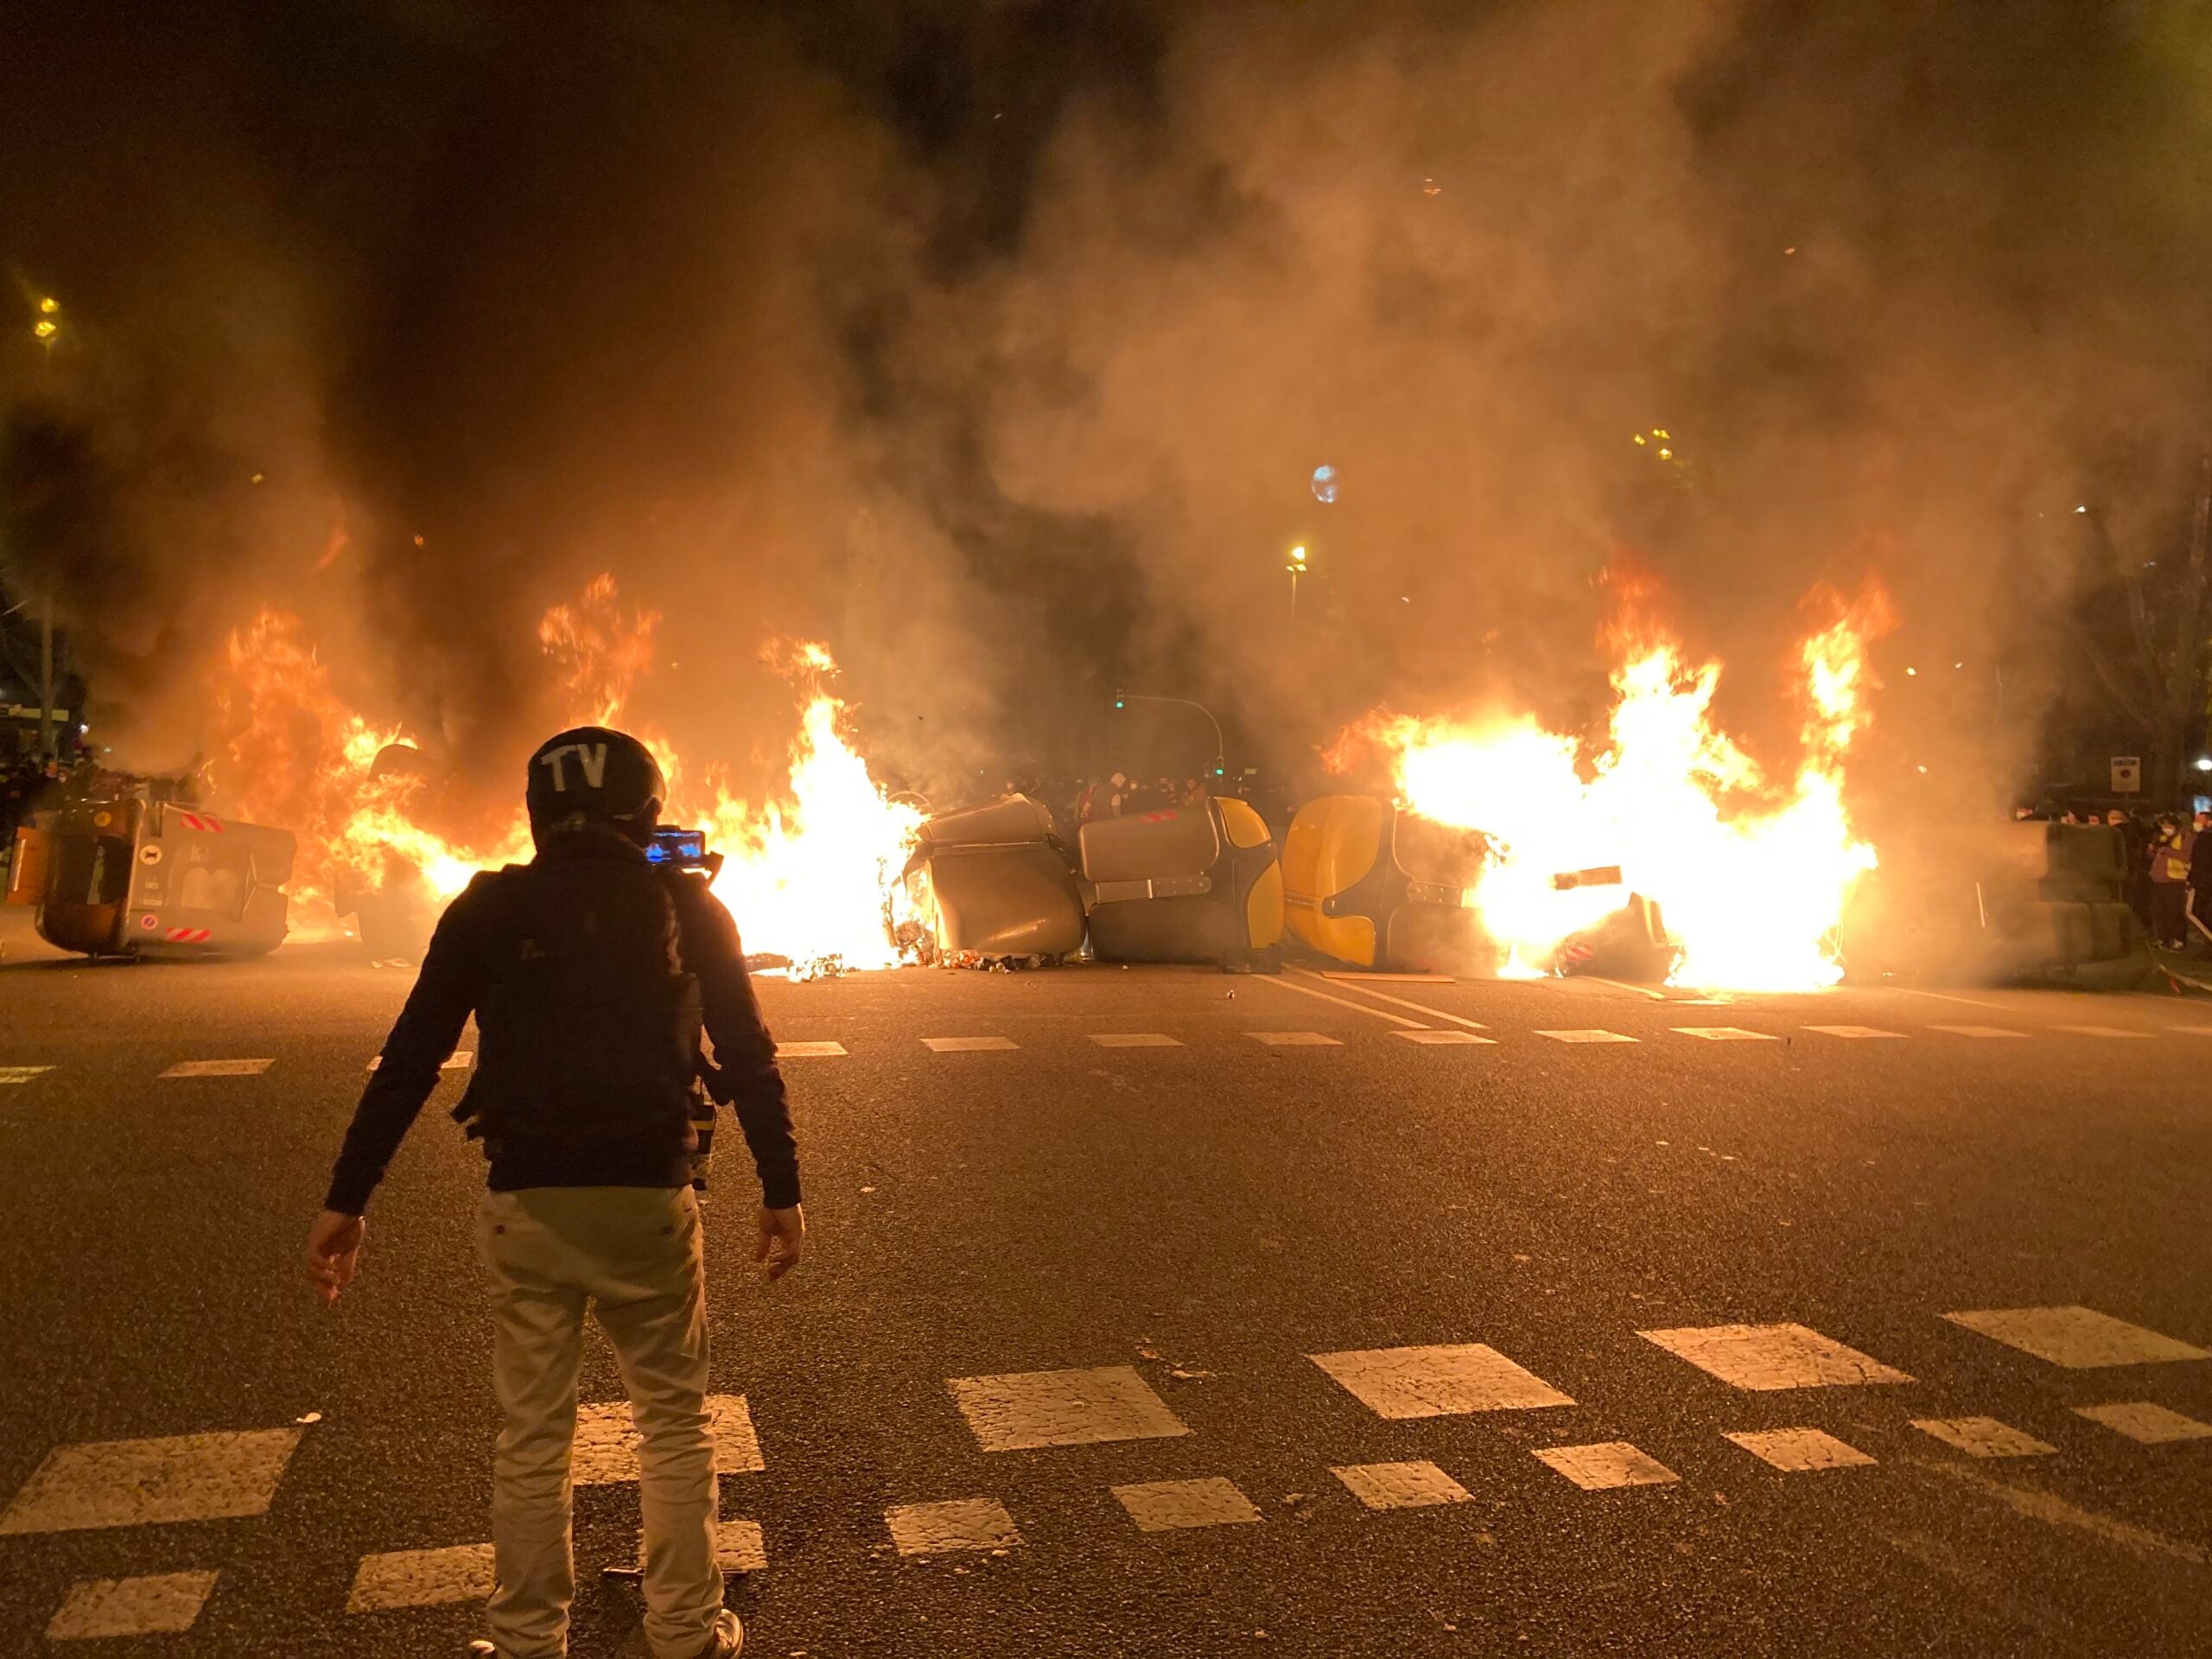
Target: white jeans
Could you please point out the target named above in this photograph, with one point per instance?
(633, 1255)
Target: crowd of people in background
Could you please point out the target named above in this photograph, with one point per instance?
(2169, 859)
(1120, 794)
(28, 783)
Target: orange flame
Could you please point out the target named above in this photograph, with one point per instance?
(1752, 875)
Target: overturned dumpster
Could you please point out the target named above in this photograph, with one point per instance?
(2027, 902)
(153, 879)
(1374, 886)
(992, 881)
(1186, 884)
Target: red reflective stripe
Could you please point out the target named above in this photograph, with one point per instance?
(1157, 818)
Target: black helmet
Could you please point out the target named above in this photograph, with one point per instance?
(590, 775)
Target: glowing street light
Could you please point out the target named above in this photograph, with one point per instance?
(48, 324)
(1296, 566)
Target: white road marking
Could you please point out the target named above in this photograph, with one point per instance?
(1983, 1437)
(1021, 1409)
(1727, 1034)
(1401, 1486)
(1423, 1008)
(2188, 1031)
(1283, 983)
(1854, 1031)
(607, 1440)
(957, 1524)
(138, 1483)
(1295, 1038)
(455, 1061)
(808, 1051)
(1795, 1451)
(1172, 1505)
(421, 1578)
(1600, 1468)
(1772, 1356)
(2106, 1031)
(1978, 1030)
(740, 1547)
(1945, 996)
(2148, 1424)
(1134, 1039)
(1618, 985)
(1443, 1039)
(2075, 1337)
(1390, 979)
(21, 1073)
(1442, 1381)
(160, 1605)
(1585, 1037)
(968, 1045)
(218, 1068)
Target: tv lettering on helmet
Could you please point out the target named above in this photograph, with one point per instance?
(590, 757)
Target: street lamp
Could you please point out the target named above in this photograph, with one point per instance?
(1297, 569)
(48, 327)
(1123, 699)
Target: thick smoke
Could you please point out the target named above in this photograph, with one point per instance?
(996, 344)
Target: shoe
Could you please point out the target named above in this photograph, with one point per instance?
(728, 1639)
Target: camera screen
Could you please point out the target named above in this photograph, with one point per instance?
(677, 847)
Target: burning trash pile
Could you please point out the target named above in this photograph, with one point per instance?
(814, 872)
(1661, 849)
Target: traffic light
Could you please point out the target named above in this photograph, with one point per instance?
(1120, 704)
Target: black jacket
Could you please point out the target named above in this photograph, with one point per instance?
(462, 967)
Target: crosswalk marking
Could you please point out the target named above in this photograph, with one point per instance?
(957, 1523)
(1023, 1409)
(2105, 1031)
(460, 1059)
(808, 1051)
(2078, 1339)
(1134, 1039)
(2145, 1423)
(218, 1068)
(1445, 1038)
(968, 1045)
(421, 1578)
(1978, 1030)
(1611, 1463)
(1727, 1034)
(1417, 1485)
(606, 1451)
(1172, 1505)
(21, 1073)
(1795, 1451)
(1441, 1381)
(1772, 1356)
(1585, 1036)
(158, 1605)
(1294, 1039)
(139, 1483)
(1854, 1031)
(1983, 1437)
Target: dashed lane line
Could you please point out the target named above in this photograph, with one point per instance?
(1979, 1030)
(21, 1073)
(1590, 1036)
(968, 1045)
(1134, 1039)
(421, 1578)
(1606, 1466)
(808, 1051)
(1726, 1034)
(1445, 1039)
(2076, 1338)
(954, 1524)
(1763, 1357)
(1857, 1033)
(2106, 1031)
(1296, 1038)
(218, 1068)
(1799, 1450)
(1175, 1505)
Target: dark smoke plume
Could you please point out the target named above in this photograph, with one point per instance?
(997, 343)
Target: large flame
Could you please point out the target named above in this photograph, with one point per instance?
(811, 873)
(1750, 874)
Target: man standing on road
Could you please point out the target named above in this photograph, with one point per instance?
(590, 974)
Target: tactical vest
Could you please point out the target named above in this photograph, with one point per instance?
(588, 1030)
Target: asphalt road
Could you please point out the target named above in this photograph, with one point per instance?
(1200, 1217)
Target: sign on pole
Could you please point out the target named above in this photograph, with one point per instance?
(2127, 774)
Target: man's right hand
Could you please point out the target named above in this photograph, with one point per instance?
(782, 1232)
